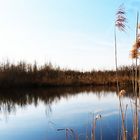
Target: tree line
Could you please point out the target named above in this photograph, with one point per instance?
(32, 75)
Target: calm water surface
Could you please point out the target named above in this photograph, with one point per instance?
(39, 114)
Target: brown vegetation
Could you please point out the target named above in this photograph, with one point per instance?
(27, 75)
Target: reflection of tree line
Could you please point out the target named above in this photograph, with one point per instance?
(23, 74)
(10, 98)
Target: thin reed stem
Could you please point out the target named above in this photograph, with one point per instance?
(136, 135)
(120, 103)
(116, 60)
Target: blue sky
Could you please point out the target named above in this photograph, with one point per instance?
(76, 34)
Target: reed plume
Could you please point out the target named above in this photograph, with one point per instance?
(120, 24)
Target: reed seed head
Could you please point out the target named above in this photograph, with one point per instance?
(98, 116)
(121, 20)
(139, 26)
(134, 53)
(122, 92)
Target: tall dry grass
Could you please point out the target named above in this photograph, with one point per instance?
(120, 24)
(135, 55)
(23, 74)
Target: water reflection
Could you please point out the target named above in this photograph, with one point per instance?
(10, 99)
(21, 97)
(39, 113)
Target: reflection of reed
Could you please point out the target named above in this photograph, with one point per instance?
(69, 131)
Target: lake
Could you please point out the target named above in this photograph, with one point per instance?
(63, 114)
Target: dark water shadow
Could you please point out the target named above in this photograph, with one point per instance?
(22, 97)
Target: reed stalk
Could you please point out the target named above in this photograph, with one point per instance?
(120, 24)
(135, 56)
(136, 135)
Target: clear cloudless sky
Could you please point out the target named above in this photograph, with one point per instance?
(76, 34)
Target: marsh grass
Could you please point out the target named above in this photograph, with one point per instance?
(25, 75)
(69, 132)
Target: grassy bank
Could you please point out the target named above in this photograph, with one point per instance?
(27, 75)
